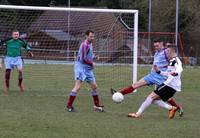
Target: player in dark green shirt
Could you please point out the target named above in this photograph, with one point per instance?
(13, 58)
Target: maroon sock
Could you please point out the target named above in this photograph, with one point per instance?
(173, 103)
(127, 90)
(95, 98)
(71, 99)
(7, 77)
(20, 78)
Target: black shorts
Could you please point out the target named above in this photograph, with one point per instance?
(165, 92)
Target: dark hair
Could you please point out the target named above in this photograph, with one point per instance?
(15, 30)
(157, 40)
(88, 32)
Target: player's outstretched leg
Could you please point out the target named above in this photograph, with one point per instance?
(127, 90)
(134, 86)
(124, 91)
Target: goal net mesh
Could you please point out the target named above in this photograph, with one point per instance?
(55, 37)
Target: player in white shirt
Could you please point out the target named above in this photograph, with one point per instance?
(167, 90)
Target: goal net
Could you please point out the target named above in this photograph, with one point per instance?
(54, 35)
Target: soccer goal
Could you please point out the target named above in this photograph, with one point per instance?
(55, 34)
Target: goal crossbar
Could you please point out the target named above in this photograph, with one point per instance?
(66, 9)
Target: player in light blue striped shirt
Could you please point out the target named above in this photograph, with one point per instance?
(161, 60)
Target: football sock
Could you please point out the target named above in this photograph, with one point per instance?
(20, 78)
(71, 99)
(173, 103)
(144, 105)
(7, 77)
(162, 104)
(95, 96)
(127, 90)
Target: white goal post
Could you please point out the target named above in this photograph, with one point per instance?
(133, 34)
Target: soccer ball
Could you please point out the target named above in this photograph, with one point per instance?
(118, 97)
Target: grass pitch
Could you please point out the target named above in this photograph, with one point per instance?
(39, 112)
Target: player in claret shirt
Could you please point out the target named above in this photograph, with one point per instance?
(13, 58)
(83, 71)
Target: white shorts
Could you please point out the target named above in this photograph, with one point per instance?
(11, 62)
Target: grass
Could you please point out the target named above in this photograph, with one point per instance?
(39, 112)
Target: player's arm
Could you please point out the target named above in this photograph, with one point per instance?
(178, 68)
(27, 48)
(3, 49)
(157, 70)
(164, 73)
(3, 42)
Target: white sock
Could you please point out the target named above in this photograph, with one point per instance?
(144, 105)
(162, 104)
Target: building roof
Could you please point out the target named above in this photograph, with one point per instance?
(59, 35)
(101, 23)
